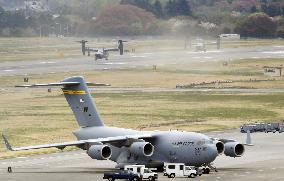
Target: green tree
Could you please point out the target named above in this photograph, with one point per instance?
(124, 20)
(178, 8)
(257, 25)
(158, 9)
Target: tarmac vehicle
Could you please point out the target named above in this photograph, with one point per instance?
(144, 172)
(179, 170)
(125, 174)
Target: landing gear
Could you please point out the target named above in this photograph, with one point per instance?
(206, 170)
(212, 167)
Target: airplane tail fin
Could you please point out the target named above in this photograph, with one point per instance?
(7, 144)
(79, 99)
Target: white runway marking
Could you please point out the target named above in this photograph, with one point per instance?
(201, 52)
(21, 157)
(138, 56)
(114, 63)
(47, 62)
(274, 52)
(280, 46)
(8, 70)
(215, 51)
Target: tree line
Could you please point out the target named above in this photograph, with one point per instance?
(250, 18)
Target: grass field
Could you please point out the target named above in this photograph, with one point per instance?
(37, 117)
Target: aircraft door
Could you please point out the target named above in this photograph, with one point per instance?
(181, 170)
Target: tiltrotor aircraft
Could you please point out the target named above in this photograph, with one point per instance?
(126, 146)
(101, 53)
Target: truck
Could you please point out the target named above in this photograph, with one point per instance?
(125, 174)
(144, 173)
(179, 170)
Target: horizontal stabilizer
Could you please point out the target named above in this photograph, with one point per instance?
(62, 84)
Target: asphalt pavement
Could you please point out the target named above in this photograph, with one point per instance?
(133, 60)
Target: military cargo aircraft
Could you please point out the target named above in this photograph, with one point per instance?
(127, 146)
(101, 53)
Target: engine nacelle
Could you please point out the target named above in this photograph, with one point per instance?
(234, 149)
(220, 147)
(142, 148)
(99, 152)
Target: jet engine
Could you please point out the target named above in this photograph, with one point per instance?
(99, 152)
(220, 147)
(234, 149)
(142, 148)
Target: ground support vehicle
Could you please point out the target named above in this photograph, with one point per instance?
(144, 172)
(179, 170)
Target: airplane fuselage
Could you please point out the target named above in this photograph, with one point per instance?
(101, 54)
(193, 149)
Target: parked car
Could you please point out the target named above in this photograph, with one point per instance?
(125, 174)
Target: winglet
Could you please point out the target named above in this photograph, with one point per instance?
(7, 144)
(248, 139)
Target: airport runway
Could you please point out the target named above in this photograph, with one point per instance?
(131, 60)
(264, 161)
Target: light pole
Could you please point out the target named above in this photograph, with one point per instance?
(59, 28)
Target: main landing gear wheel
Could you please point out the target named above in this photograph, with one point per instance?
(135, 179)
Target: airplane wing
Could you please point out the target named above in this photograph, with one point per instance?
(79, 143)
(92, 49)
(111, 49)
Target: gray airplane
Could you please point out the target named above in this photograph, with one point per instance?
(126, 146)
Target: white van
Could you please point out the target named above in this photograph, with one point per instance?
(144, 172)
(179, 170)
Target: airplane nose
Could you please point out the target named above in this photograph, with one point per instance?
(212, 153)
